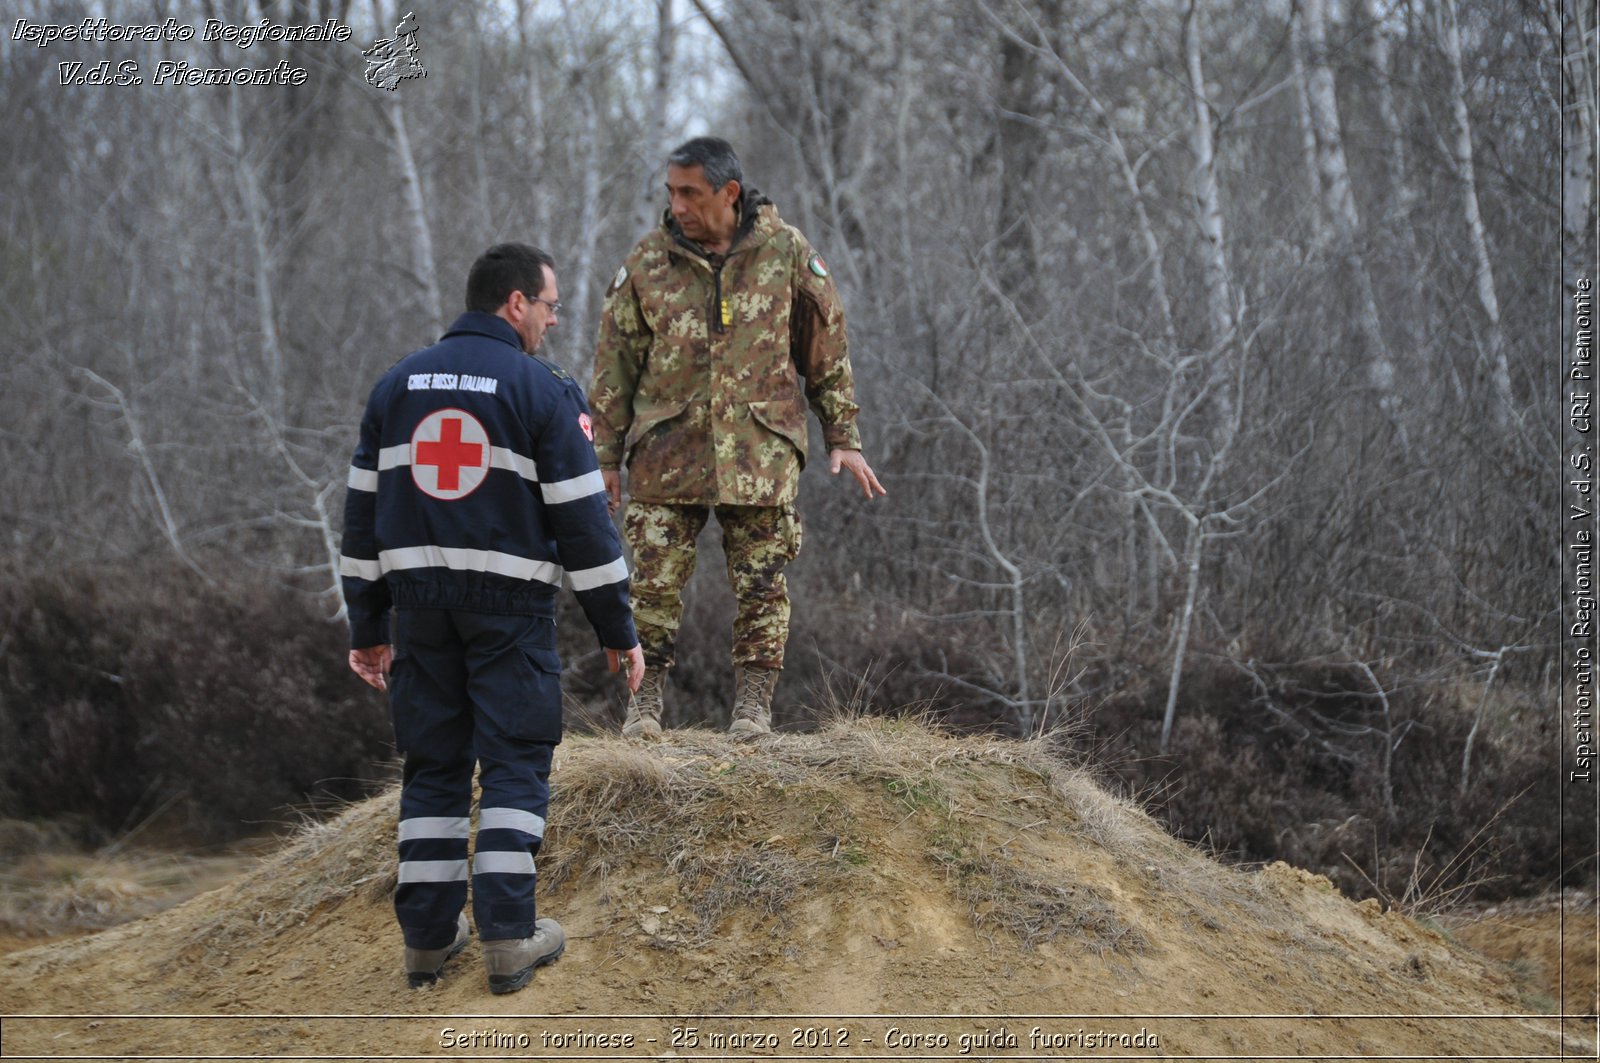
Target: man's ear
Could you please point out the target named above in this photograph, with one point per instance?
(736, 189)
(509, 315)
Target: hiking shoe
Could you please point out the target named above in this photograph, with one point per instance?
(511, 960)
(645, 704)
(752, 706)
(423, 965)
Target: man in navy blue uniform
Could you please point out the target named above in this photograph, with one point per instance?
(473, 491)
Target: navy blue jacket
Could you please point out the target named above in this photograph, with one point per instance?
(475, 486)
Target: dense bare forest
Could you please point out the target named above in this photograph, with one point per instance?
(1206, 349)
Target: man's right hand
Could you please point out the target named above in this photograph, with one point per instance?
(612, 478)
(372, 664)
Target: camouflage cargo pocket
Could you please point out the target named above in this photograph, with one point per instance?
(784, 417)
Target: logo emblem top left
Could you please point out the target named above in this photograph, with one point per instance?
(449, 454)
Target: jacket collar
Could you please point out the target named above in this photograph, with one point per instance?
(480, 324)
(758, 220)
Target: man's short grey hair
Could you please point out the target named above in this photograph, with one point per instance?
(714, 156)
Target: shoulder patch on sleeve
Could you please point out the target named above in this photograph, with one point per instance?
(555, 370)
(819, 267)
(616, 282)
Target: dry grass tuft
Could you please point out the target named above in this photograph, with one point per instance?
(1002, 897)
(50, 886)
(762, 880)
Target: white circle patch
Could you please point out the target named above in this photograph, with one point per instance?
(449, 454)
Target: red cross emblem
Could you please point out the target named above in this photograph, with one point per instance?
(449, 454)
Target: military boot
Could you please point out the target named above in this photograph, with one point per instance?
(752, 705)
(644, 705)
(423, 965)
(511, 960)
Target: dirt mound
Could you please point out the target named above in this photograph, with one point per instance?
(873, 889)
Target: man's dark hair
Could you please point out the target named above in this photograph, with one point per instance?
(503, 269)
(714, 156)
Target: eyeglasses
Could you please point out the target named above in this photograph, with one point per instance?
(555, 308)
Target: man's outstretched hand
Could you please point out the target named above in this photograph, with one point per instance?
(852, 460)
(635, 659)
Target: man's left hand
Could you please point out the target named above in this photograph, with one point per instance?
(372, 665)
(613, 481)
(852, 460)
(633, 659)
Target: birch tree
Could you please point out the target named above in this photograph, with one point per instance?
(1571, 28)
(537, 141)
(1400, 199)
(1339, 207)
(655, 146)
(413, 214)
(1308, 133)
(1208, 205)
(1492, 347)
(258, 221)
(582, 79)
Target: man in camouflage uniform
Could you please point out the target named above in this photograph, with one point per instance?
(718, 329)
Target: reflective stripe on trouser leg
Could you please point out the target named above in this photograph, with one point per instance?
(662, 538)
(515, 688)
(433, 728)
(503, 870)
(759, 542)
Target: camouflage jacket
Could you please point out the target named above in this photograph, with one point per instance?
(704, 365)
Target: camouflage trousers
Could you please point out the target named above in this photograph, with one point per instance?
(758, 540)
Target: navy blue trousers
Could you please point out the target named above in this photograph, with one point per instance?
(470, 688)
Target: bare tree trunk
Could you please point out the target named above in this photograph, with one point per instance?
(1191, 565)
(1208, 201)
(537, 142)
(415, 212)
(1014, 581)
(1308, 131)
(1477, 719)
(588, 219)
(915, 310)
(1208, 196)
(1388, 740)
(416, 218)
(481, 135)
(257, 217)
(1499, 368)
(1575, 37)
(648, 208)
(1401, 201)
(1340, 203)
(582, 84)
(1401, 197)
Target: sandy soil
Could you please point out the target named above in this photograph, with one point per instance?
(876, 890)
(1549, 945)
